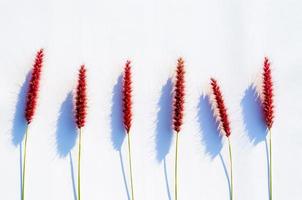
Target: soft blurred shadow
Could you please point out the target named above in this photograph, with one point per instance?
(19, 122)
(117, 128)
(164, 130)
(66, 132)
(253, 115)
(254, 121)
(211, 137)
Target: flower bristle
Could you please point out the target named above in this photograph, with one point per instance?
(33, 90)
(81, 98)
(127, 97)
(222, 111)
(267, 88)
(179, 96)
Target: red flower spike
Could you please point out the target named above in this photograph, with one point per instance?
(268, 106)
(81, 98)
(127, 98)
(32, 94)
(179, 96)
(223, 116)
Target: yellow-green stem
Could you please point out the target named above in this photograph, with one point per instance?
(176, 168)
(79, 165)
(270, 166)
(231, 168)
(24, 164)
(130, 166)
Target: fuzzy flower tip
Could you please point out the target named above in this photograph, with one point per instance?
(268, 105)
(32, 94)
(81, 98)
(127, 98)
(179, 96)
(222, 111)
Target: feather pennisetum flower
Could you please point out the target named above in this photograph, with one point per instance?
(32, 94)
(224, 124)
(81, 99)
(30, 106)
(127, 98)
(80, 116)
(179, 96)
(222, 111)
(127, 115)
(268, 104)
(178, 112)
(268, 110)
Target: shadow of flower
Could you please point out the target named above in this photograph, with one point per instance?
(253, 115)
(211, 137)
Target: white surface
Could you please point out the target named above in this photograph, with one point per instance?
(224, 39)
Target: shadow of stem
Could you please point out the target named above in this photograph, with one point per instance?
(225, 169)
(72, 177)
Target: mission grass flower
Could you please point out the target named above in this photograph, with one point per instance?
(30, 107)
(178, 112)
(224, 123)
(127, 115)
(80, 116)
(268, 111)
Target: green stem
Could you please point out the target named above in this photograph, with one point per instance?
(24, 163)
(231, 167)
(270, 166)
(176, 168)
(79, 165)
(130, 166)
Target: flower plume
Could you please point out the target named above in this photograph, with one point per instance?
(222, 111)
(268, 106)
(179, 95)
(32, 94)
(127, 98)
(81, 98)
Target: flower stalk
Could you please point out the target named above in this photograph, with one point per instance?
(224, 126)
(268, 111)
(30, 107)
(178, 113)
(80, 116)
(127, 116)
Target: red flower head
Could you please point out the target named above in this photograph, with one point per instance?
(179, 96)
(222, 111)
(33, 89)
(81, 98)
(127, 101)
(268, 105)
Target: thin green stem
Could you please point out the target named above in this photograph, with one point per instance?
(231, 168)
(24, 163)
(130, 166)
(176, 168)
(270, 166)
(79, 165)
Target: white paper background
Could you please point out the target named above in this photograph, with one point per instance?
(224, 39)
